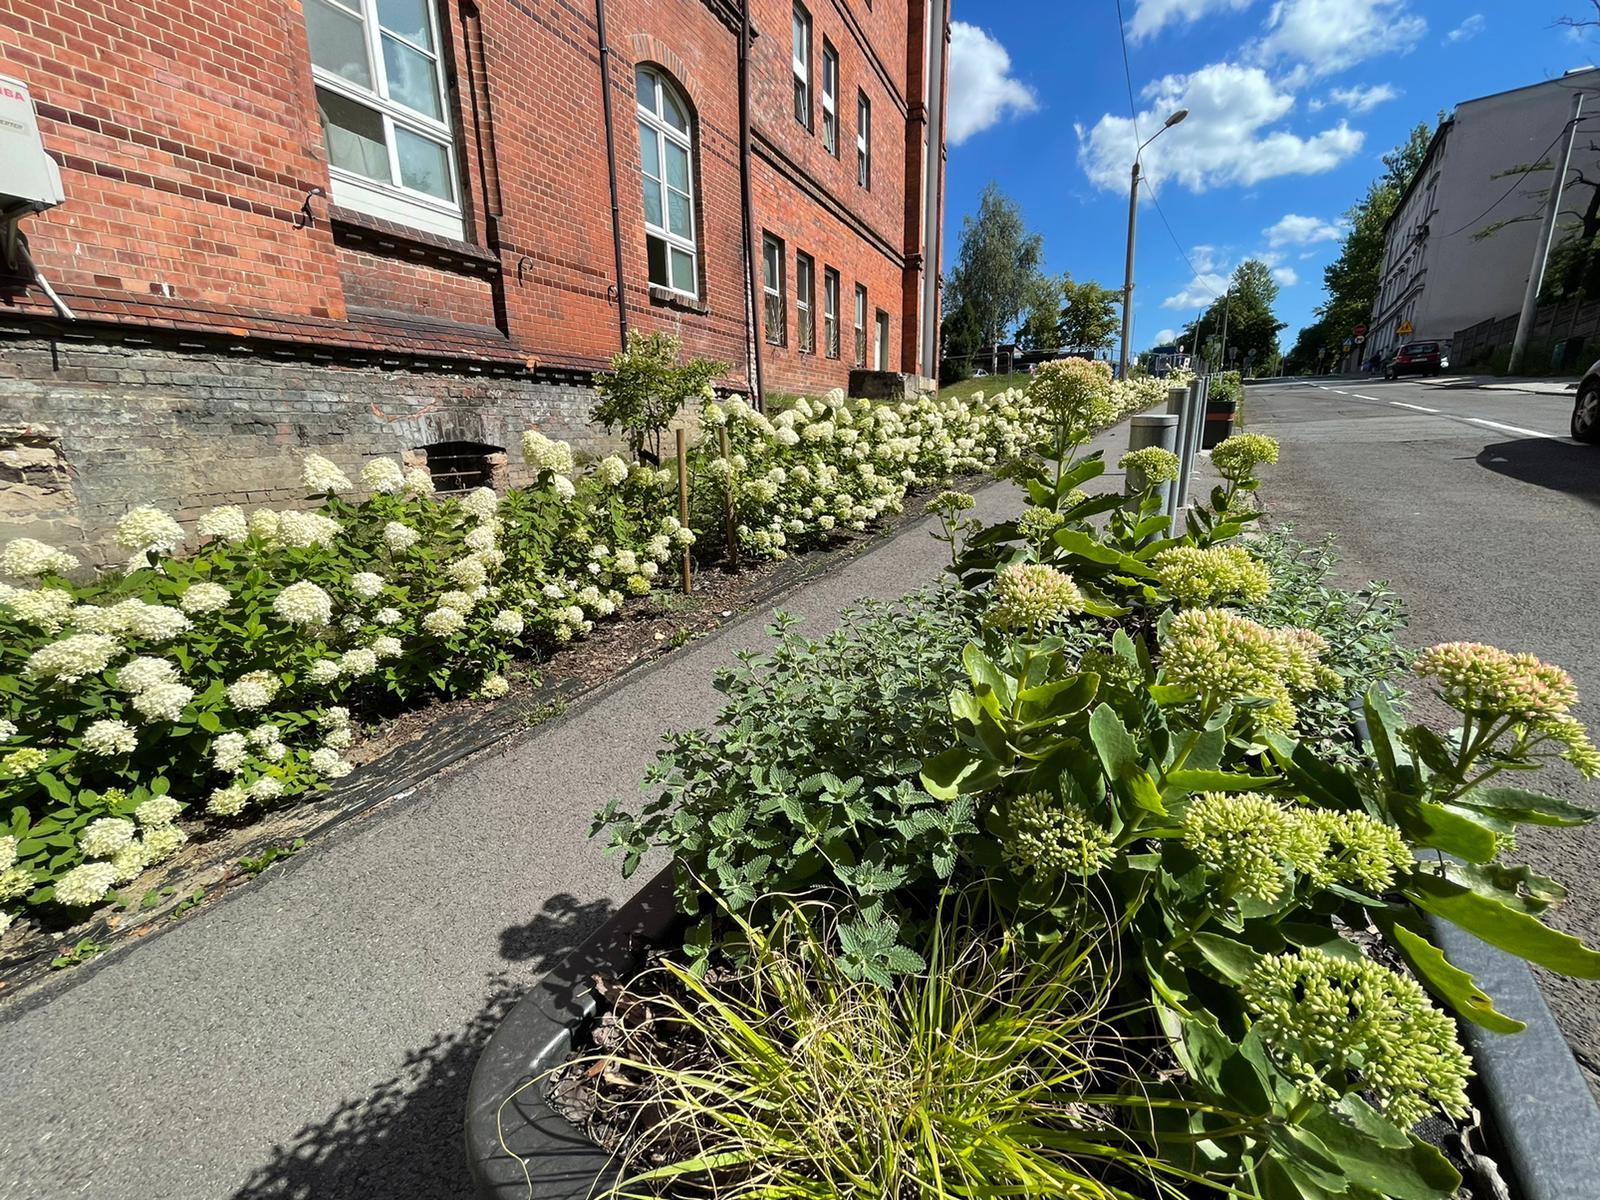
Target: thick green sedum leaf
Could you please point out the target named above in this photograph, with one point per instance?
(1515, 932)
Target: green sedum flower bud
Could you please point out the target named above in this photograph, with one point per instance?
(1056, 837)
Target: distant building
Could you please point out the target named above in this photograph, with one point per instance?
(1437, 277)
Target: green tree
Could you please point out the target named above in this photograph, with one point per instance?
(1090, 315)
(959, 340)
(1041, 319)
(1252, 324)
(647, 386)
(996, 266)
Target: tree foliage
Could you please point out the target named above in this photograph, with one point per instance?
(1251, 322)
(997, 265)
(1089, 315)
(959, 339)
(1041, 319)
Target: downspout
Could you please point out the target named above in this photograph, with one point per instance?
(752, 324)
(933, 197)
(611, 166)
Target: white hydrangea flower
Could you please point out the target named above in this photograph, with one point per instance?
(163, 701)
(384, 476)
(8, 852)
(254, 690)
(358, 663)
(493, 687)
(461, 601)
(562, 486)
(229, 752)
(508, 621)
(481, 502)
(8, 730)
(442, 622)
(146, 529)
(467, 573)
(322, 672)
(226, 523)
(110, 736)
(140, 674)
(163, 841)
(553, 592)
(72, 658)
(265, 734)
(104, 837)
(158, 810)
(418, 482)
(227, 801)
(571, 615)
(264, 524)
(659, 547)
(44, 608)
(28, 558)
(85, 885)
(305, 529)
(303, 603)
(339, 739)
(335, 716)
(326, 761)
(200, 598)
(267, 787)
(274, 752)
(399, 536)
(156, 622)
(626, 561)
(366, 584)
(543, 454)
(130, 860)
(321, 478)
(389, 616)
(611, 470)
(387, 647)
(649, 569)
(481, 540)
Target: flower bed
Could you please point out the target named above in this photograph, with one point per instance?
(225, 670)
(1066, 880)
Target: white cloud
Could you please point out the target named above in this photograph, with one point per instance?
(1166, 337)
(1294, 230)
(1470, 28)
(1325, 36)
(982, 89)
(1198, 292)
(1227, 138)
(1152, 16)
(1287, 276)
(1362, 100)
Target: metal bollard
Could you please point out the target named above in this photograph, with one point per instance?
(1151, 429)
(1194, 409)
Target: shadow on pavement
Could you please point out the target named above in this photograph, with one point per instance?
(401, 1141)
(1546, 463)
(561, 927)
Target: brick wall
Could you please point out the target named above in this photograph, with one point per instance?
(191, 154)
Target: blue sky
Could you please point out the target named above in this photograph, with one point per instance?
(1292, 104)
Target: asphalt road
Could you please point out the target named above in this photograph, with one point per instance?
(1480, 510)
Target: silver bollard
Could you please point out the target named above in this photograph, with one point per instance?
(1193, 418)
(1151, 429)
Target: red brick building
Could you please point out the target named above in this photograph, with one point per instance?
(418, 226)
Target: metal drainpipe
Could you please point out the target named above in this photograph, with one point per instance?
(752, 309)
(933, 201)
(611, 165)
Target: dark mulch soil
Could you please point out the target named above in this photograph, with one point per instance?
(400, 753)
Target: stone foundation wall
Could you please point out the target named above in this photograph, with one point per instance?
(88, 429)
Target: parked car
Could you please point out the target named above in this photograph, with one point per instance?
(1416, 358)
(1586, 410)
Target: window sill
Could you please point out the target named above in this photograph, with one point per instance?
(667, 298)
(379, 236)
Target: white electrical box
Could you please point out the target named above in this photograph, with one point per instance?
(30, 181)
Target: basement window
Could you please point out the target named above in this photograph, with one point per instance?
(461, 466)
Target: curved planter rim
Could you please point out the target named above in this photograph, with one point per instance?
(508, 1118)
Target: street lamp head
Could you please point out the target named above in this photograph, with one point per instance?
(1175, 118)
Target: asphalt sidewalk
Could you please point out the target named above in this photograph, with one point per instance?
(313, 1035)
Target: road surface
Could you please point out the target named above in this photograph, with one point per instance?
(1484, 514)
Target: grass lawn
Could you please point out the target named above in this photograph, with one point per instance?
(989, 385)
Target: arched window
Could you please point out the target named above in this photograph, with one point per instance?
(666, 152)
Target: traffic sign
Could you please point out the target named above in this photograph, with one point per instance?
(1404, 329)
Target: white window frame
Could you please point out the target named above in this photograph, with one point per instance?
(665, 131)
(830, 312)
(773, 262)
(880, 341)
(805, 302)
(800, 63)
(860, 346)
(863, 141)
(830, 98)
(392, 200)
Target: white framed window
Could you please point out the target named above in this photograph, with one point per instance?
(801, 61)
(805, 303)
(666, 162)
(863, 140)
(880, 357)
(830, 312)
(381, 96)
(775, 318)
(861, 325)
(830, 98)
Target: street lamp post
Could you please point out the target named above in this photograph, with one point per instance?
(1133, 215)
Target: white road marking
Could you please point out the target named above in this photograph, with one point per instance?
(1403, 404)
(1514, 428)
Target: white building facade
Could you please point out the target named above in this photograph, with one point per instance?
(1436, 276)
